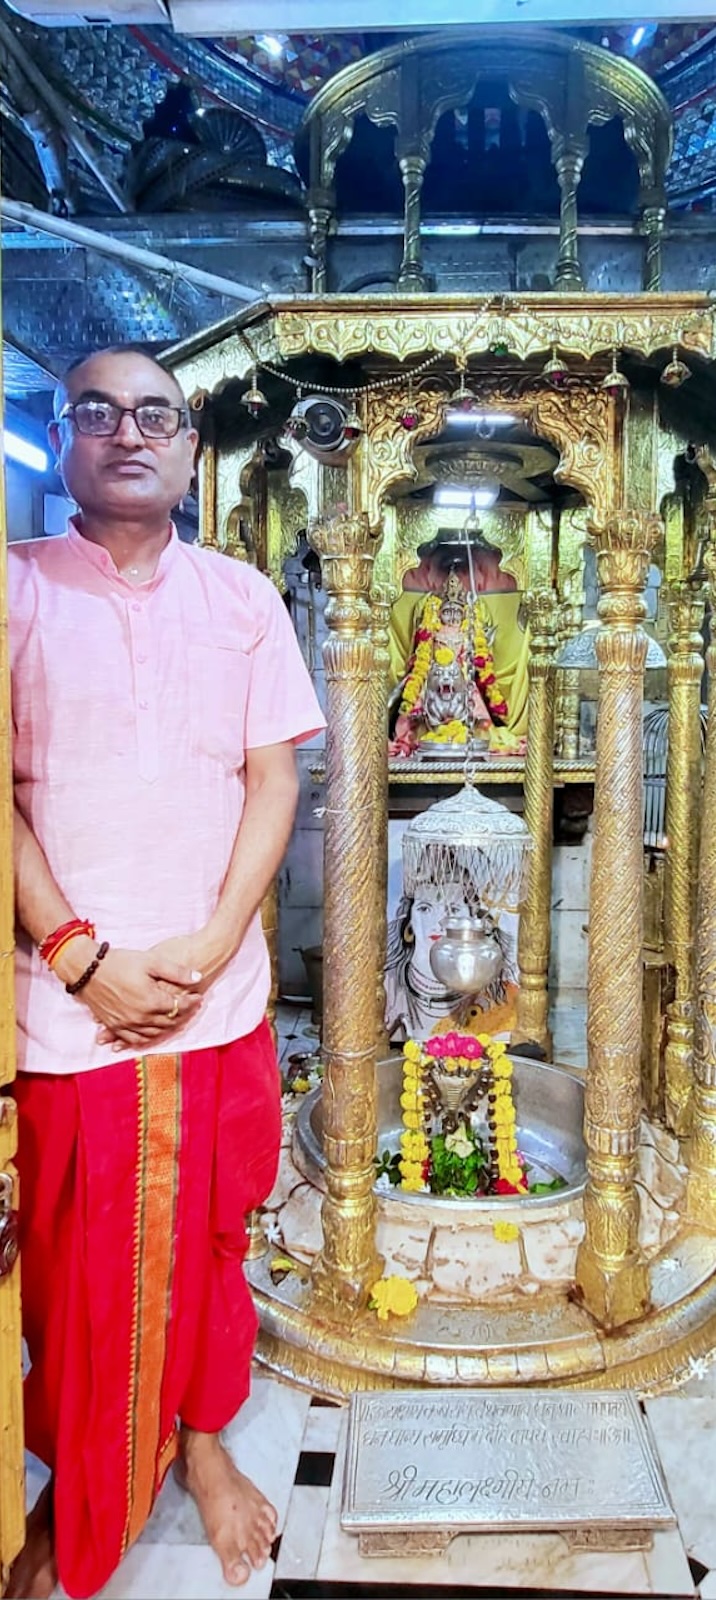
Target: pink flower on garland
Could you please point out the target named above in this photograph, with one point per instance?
(423, 636)
(471, 1049)
(443, 1044)
(479, 662)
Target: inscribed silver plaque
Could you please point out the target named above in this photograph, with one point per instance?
(501, 1460)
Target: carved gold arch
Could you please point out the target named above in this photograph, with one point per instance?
(579, 420)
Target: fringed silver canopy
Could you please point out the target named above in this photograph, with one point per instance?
(469, 838)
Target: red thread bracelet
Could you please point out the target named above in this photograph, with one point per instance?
(50, 946)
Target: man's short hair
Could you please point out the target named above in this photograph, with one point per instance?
(61, 392)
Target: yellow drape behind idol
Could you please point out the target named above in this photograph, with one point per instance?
(510, 649)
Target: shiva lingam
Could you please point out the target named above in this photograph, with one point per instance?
(467, 957)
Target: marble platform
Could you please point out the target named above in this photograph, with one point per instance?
(292, 1446)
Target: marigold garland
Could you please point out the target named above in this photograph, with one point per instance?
(426, 652)
(459, 1053)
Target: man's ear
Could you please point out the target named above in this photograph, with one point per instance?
(53, 434)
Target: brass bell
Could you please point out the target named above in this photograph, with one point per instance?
(254, 399)
(555, 371)
(615, 382)
(675, 372)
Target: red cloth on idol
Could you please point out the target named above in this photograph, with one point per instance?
(135, 1182)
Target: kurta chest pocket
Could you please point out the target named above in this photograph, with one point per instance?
(219, 673)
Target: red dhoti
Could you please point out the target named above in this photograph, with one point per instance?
(135, 1181)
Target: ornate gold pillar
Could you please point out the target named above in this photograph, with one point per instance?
(611, 1275)
(380, 620)
(411, 278)
(653, 217)
(206, 474)
(701, 1187)
(568, 152)
(348, 1263)
(533, 945)
(568, 686)
(683, 809)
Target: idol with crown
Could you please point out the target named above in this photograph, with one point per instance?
(449, 695)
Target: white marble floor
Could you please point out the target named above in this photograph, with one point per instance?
(292, 1447)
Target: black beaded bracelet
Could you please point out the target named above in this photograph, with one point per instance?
(74, 988)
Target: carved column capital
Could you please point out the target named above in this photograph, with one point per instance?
(543, 613)
(624, 544)
(347, 545)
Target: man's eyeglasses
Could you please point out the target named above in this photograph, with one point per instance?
(101, 418)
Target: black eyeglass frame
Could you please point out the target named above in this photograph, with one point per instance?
(69, 414)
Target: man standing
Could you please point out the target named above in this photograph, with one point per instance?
(158, 692)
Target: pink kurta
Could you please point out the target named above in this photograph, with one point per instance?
(133, 708)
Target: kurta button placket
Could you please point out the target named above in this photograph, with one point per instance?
(145, 695)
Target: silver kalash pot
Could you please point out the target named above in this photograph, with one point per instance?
(467, 957)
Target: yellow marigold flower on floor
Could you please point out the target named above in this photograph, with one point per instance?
(393, 1296)
(506, 1232)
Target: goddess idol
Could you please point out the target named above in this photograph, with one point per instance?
(449, 694)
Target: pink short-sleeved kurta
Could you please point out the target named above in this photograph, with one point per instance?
(133, 707)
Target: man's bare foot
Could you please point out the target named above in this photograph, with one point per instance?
(240, 1523)
(33, 1575)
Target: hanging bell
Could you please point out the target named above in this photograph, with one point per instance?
(467, 957)
(462, 399)
(615, 382)
(555, 371)
(254, 400)
(675, 372)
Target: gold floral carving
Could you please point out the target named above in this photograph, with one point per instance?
(534, 928)
(611, 1274)
(581, 424)
(235, 469)
(701, 1189)
(589, 325)
(387, 448)
(285, 520)
(683, 809)
(348, 1263)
